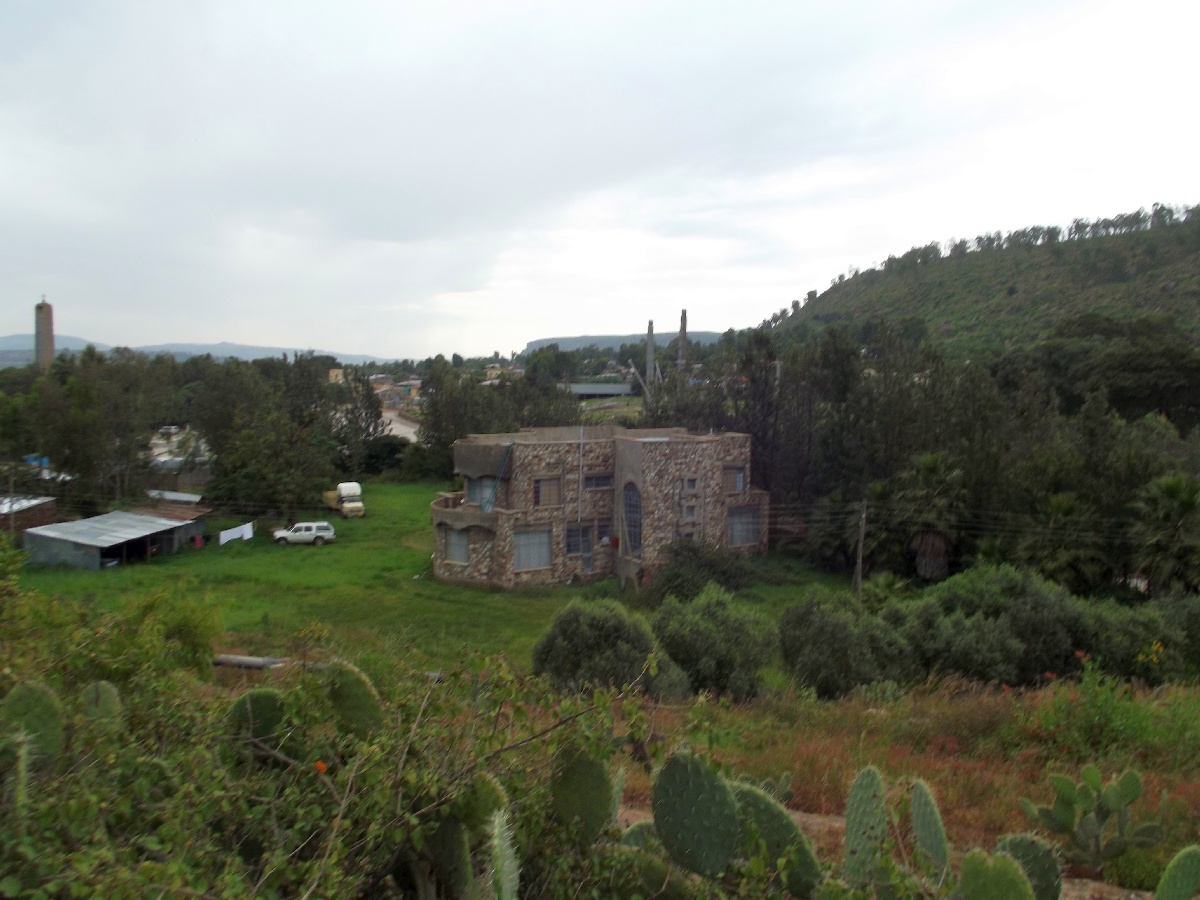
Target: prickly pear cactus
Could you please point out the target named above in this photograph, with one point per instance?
(640, 835)
(31, 707)
(257, 714)
(695, 815)
(866, 827)
(355, 701)
(450, 853)
(632, 872)
(998, 877)
(101, 702)
(1037, 860)
(505, 870)
(476, 805)
(766, 819)
(1181, 880)
(927, 826)
(582, 794)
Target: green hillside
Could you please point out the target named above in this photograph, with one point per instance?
(1003, 292)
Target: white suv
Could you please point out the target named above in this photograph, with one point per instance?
(315, 533)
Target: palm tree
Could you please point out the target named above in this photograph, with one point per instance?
(1167, 533)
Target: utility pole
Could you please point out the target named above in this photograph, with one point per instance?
(858, 567)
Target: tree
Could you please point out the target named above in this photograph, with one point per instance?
(1167, 533)
(357, 421)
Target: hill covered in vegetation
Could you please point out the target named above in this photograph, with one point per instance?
(1002, 292)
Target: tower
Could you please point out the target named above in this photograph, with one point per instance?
(43, 339)
(650, 353)
(681, 359)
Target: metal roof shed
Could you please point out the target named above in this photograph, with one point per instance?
(110, 539)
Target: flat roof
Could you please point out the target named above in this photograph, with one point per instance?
(17, 504)
(107, 530)
(601, 389)
(175, 496)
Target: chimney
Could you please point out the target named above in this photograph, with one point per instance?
(43, 340)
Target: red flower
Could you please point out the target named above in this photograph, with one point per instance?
(321, 767)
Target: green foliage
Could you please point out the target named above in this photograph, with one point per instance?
(476, 805)
(355, 701)
(692, 566)
(927, 826)
(582, 794)
(593, 644)
(1181, 880)
(33, 709)
(257, 717)
(1083, 811)
(829, 647)
(695, 815)
(450, 854)
(720, 647)
(630, 871)
(1037, 860)
(998, 877)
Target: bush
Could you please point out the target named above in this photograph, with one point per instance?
(720, 648)
(693, 565)
(1045, 623)
(597, 644)
(1133, 641)
(828, 646)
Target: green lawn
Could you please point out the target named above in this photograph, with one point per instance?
(371, 587)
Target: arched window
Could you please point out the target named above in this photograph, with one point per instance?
(633, 518)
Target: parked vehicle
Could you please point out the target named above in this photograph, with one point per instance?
(347, 499)
(315, 533)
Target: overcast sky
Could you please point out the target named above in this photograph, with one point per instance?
(405, 179)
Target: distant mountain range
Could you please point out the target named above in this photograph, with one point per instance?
(17, 350)
(615, 341)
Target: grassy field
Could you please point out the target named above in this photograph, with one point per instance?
(372, 587)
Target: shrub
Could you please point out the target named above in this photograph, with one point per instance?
(831, 648)
(1133, 641)
(720, 648)
(692, 565)
(597, 643)
(1046, 623)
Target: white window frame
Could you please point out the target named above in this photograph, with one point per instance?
(742, 522)
(532, 549)
(458, 547)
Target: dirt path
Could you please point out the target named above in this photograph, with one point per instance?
(827, 835)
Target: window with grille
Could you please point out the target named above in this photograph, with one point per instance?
(579, 539)
(689, 511)
(690, 484)
(531, 549)
(633, 518)
(458, 546)
(547, 491)
(734, 479)
(603, 531)
(743, 526)
(597, 482)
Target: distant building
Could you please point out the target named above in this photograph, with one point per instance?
(109, 540)
(337, 376)
(548, 505)
(18, 514)
(43, 338)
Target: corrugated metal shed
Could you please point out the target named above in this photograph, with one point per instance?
(20, 504)
(107, 530)
(175, 496)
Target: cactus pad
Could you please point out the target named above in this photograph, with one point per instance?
(101, 701)
(505, 870)
(258, 714)
(632, 872)
(695, 815)
(33, 708)
(998, 877)
(450, 852)
(1037, 860)
(927, 826)
(640, 835)
(476, 805)
(866, 827)
(582, 794)
(355, 701)
(1181, 880)
(763, 815)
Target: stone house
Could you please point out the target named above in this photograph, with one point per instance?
(549, 505)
